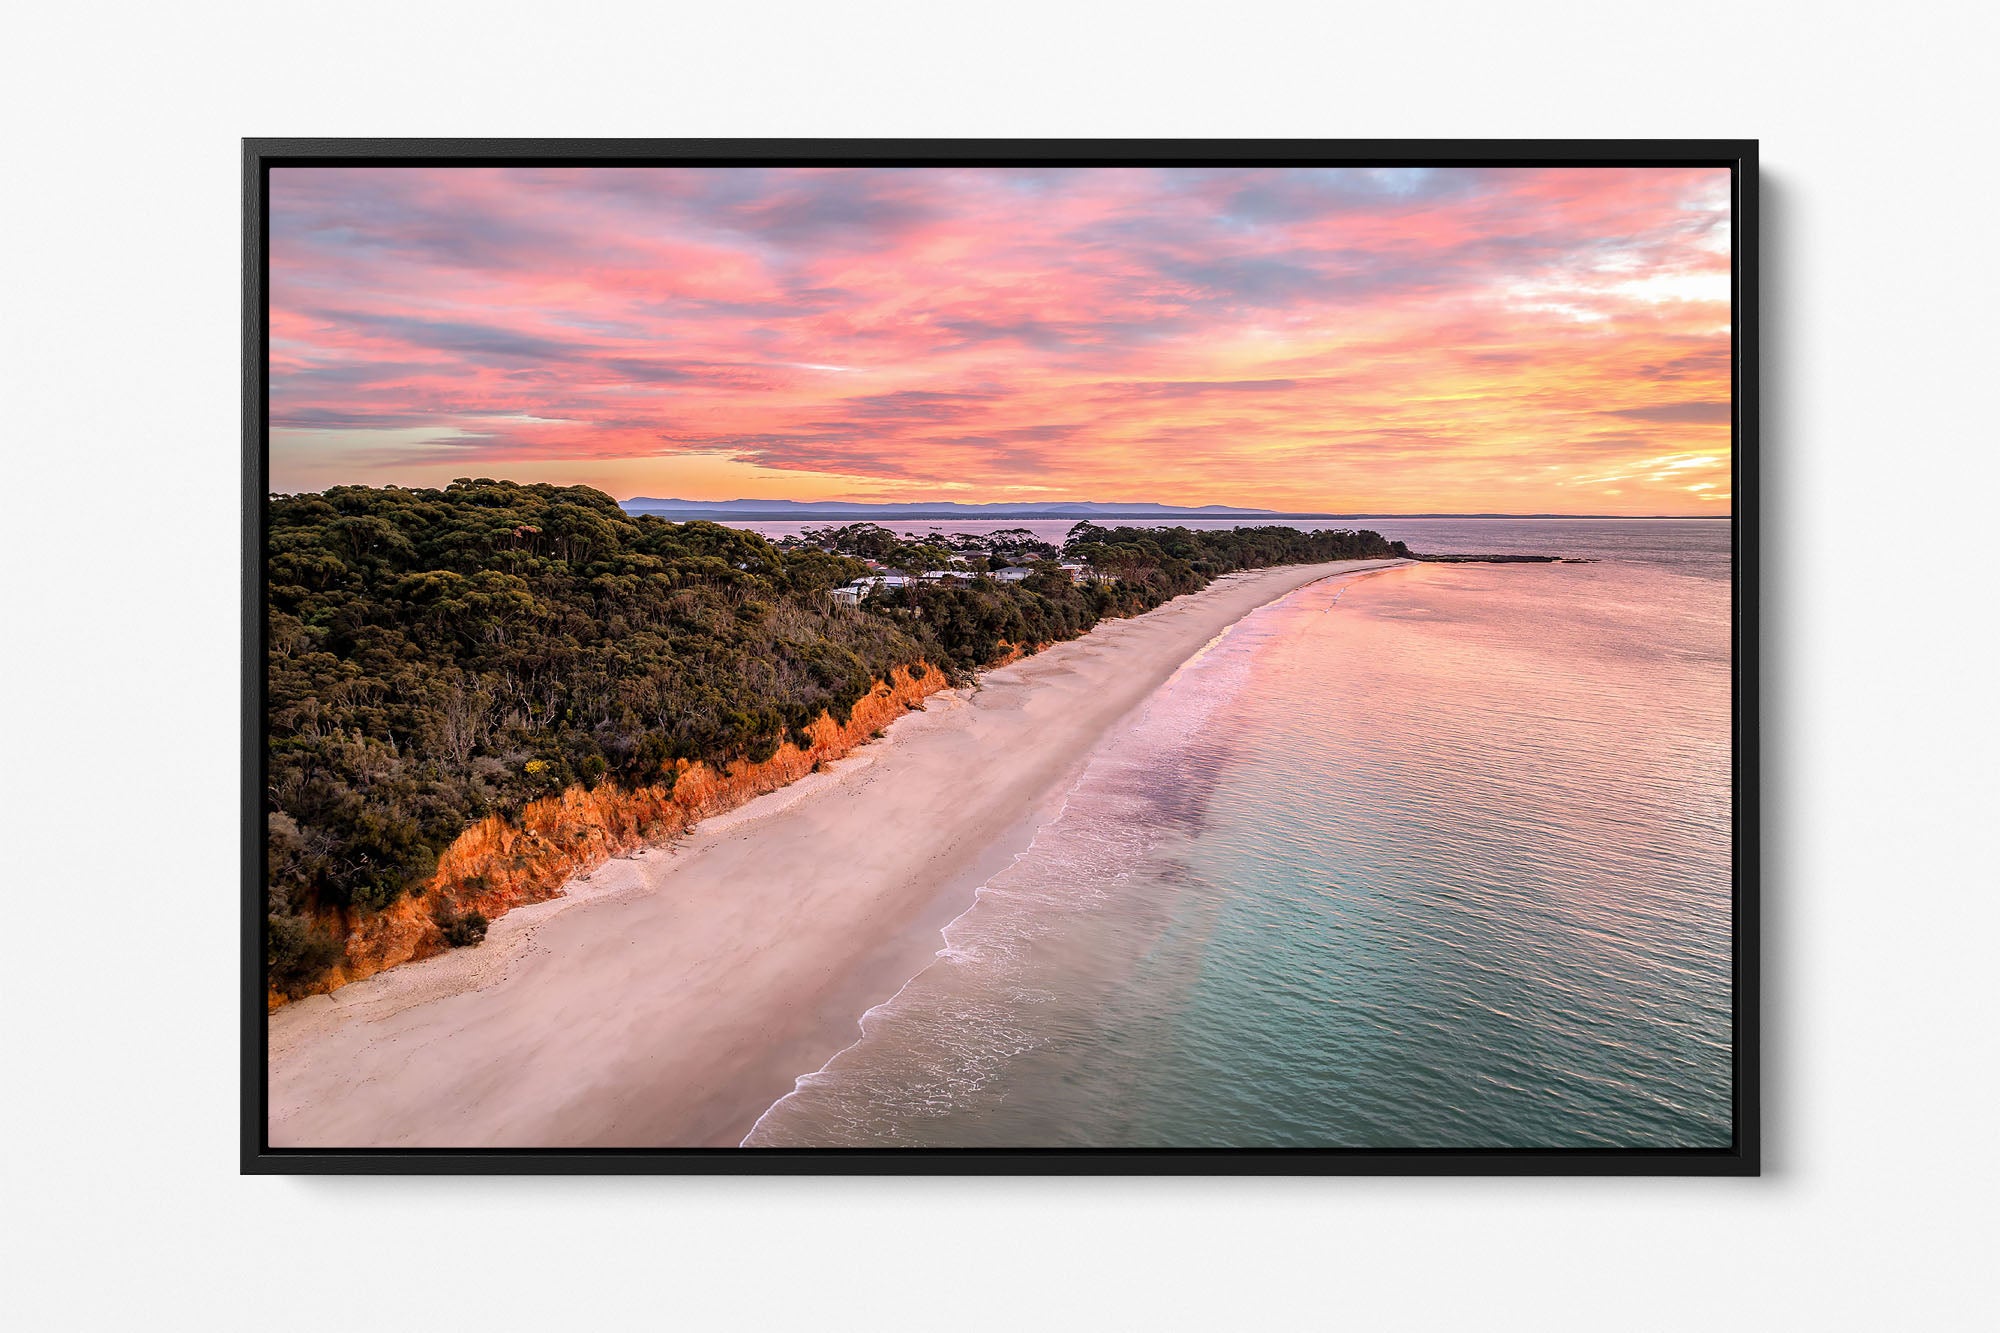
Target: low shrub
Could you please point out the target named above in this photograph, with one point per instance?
(459, 928)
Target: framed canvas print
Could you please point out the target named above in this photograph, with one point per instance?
(998, 657)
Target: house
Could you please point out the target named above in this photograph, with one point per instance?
(1012, 573)
(851, 593)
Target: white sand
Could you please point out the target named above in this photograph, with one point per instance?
(672, 996)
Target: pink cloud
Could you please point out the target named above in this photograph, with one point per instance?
(1315, 340)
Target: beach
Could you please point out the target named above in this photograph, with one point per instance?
(670, 997)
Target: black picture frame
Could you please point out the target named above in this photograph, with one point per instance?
(1742, 1158)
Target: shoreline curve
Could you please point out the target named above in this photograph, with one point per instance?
(671, 997)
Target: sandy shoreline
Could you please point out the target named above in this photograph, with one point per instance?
(672, 996)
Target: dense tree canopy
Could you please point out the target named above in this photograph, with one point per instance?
(977, 552)
(438, 655)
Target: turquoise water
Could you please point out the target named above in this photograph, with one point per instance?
(1437, 857)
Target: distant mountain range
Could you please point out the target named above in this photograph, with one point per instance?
(848, 509)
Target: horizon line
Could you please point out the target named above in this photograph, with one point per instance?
(1176, 511)
(1024, 508)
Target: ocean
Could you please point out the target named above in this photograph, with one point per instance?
(1433, 857)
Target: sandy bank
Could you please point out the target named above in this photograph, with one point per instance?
(674, 995)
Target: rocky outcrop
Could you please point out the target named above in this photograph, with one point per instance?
(500, 864)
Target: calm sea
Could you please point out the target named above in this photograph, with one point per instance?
(1432, 857)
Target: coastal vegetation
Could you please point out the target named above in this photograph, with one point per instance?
(435, 657)
(977, 552)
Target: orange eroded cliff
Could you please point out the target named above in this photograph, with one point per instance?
(499, 864)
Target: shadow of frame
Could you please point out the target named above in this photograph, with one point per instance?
(1778, 633)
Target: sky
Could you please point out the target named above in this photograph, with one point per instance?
(1310, 340)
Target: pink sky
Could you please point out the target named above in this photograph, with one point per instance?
(1493, 339)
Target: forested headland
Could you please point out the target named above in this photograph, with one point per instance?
(439, 656)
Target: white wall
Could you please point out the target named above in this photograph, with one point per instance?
(120, 315)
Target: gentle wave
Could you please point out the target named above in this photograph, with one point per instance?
(953, 1023)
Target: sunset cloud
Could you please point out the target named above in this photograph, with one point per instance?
(1308, 340)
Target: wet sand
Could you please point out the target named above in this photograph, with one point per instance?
(670, 997)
